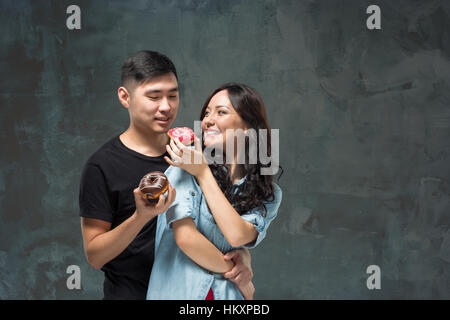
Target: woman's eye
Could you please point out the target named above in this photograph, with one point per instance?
(221, 112)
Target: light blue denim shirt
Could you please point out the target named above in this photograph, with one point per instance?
(174, 275)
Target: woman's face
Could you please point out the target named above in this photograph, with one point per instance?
(220, 115)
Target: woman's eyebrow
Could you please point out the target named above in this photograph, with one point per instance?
(216, 107)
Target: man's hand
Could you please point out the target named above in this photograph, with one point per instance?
(146, 211)
(242, 272)
(248, 291)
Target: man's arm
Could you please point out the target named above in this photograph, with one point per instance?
(199, 249)
(242, 273)
(101, 244)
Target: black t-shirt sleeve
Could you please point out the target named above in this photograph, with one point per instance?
(94, 197)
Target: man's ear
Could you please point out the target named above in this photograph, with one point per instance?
(124, 96)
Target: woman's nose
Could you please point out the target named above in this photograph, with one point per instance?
(209, 120)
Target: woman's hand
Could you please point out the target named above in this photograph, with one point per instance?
(186, 158)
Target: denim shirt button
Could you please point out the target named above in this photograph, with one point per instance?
(193, 194)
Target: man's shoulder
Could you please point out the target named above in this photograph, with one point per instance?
(104, 152)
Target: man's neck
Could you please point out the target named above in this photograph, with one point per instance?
(151, 144)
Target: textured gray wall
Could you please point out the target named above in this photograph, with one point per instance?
(364, 120)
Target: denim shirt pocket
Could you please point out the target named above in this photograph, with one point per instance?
(204, 211)
(209, 228)
(187, 205)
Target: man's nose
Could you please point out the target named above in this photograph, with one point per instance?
(165, 105)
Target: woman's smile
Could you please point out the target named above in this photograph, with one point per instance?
(212, 132)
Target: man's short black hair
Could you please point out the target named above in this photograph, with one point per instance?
(144, 66)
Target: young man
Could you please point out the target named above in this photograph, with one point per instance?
(118, 226)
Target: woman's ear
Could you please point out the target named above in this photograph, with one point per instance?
(124, 97)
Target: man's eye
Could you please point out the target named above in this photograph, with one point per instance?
(172, 97)
(154, 98)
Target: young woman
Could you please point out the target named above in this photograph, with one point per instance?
(218, 207)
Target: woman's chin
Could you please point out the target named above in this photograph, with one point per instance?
(212, 142)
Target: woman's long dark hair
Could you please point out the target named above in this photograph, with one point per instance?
(256, 188)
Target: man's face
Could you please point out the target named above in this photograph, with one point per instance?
(153, 105)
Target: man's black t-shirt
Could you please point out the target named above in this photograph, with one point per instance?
(106, 193)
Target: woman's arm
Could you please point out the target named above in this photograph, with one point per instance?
(200, 250)
(197, 247)
(236, 230)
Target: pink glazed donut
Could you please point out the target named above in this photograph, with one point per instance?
(183, 134)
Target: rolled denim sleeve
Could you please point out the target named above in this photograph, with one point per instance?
(261, 223)
(186, 203)
(181, 210)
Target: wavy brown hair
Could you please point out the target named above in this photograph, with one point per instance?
(256, 188)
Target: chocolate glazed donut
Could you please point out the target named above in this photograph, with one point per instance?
(152, 185)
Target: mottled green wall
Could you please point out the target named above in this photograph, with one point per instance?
(364, 119)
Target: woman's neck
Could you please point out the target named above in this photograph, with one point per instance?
(236, 172)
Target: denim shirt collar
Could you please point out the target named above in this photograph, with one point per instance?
(240, 181)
